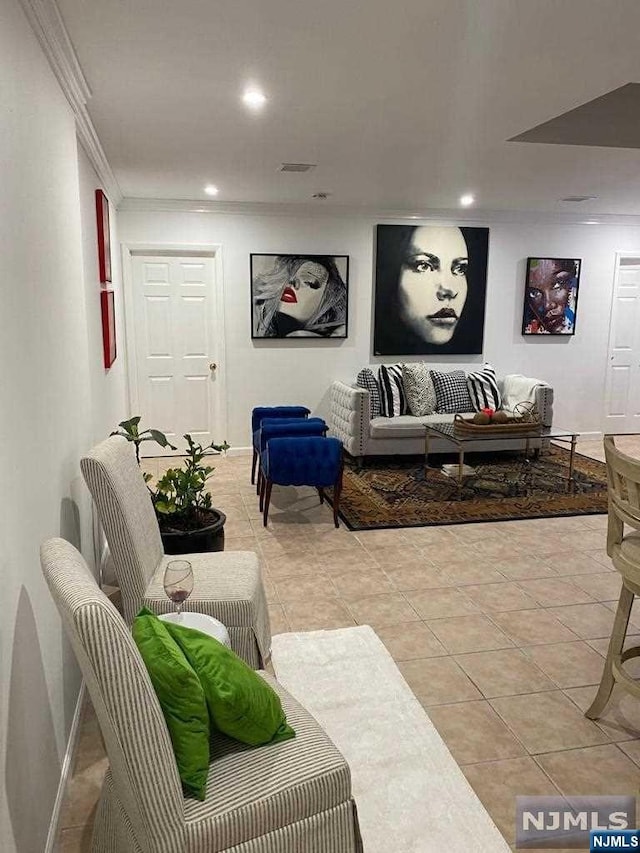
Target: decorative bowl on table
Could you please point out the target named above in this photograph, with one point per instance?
(524, 420)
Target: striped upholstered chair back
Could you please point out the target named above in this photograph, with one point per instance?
(126, 512)
(142, 791)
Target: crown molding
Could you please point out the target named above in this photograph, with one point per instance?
(481, 217)
(46, 22)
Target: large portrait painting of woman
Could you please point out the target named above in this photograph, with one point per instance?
(299, 296)
(431, 284)
(551, 296)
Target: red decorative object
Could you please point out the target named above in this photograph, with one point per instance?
(104, 244)
(108, 327)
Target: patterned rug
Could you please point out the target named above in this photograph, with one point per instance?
(393, 491)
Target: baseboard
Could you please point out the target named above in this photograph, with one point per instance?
(591, 436)
(239, 451)
(52, 837)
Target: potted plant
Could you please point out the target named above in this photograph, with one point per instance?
(188, 522)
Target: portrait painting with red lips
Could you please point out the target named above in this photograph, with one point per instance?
(551, 296)
(299, 296)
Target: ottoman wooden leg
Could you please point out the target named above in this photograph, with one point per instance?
(267, 501)
(337, 491)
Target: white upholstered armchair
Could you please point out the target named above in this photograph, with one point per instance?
(228, 585)
(291, 797)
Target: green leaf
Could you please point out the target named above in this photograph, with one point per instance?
(158, 436)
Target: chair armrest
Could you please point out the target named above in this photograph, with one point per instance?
(520, 389)
(349, 417)
(544, 404)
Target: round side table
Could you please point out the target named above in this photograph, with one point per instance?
(201, 622)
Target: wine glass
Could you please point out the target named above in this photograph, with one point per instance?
(178, 582)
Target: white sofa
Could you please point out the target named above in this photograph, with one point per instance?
(350, 421)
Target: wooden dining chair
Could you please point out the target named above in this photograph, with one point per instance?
(623, 474)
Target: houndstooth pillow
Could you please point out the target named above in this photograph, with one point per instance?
(452, 394)
(392, 396)
(483, 389)
(365, 379)
(418, 386)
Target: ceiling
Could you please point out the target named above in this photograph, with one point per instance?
(402, 106)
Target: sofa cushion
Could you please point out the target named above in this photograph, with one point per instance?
(240, 703)
(392, 396)
(418, 386)
(365, 379)
(181, 698)
(407, 426)
(483, 389)
(403, 426)
(452, 394)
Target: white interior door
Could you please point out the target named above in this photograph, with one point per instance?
(176, 358)
(622, 392)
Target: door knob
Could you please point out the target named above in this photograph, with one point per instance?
(213, 366)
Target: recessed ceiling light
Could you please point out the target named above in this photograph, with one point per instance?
(254, 99)
(466, 200)
(211, 190)
(591, 222)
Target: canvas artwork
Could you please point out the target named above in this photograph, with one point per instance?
(431, 284)
(299, 296)
(551, 296)
(108, 312)
(104, 242)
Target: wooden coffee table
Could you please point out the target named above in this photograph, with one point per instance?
(460, 443)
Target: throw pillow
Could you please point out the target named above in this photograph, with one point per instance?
(452, 394)
(365, 379)
(418, 386)
(483, 389)
(392, 397)
(181, 698)
(241, 704)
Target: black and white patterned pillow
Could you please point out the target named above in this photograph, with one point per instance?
(418, 386)
(392, 396)
(452, 394)
(365, 379)
(483, 389)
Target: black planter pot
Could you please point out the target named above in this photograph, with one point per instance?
(209, 538)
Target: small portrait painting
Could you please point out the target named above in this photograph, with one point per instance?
(431, 284)
(299, 296)
(551, 296)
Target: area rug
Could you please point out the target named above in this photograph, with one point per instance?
(410, 793)
(393, 492)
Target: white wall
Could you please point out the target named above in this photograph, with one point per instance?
(48, 383)
(298, 371)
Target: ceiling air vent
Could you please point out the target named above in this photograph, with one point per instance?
(576, 199)
(297, 167)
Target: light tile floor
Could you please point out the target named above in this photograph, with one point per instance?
(500, 629)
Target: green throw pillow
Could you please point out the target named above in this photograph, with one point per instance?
(241, 703)
(181, 697)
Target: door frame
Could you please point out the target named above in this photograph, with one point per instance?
(212, 250)
(626, 253)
